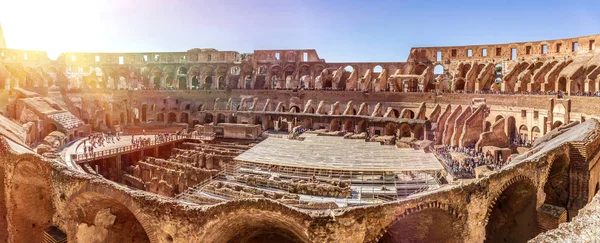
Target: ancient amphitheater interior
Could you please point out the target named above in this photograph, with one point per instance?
(479, 143)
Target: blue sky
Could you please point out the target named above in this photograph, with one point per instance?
(339, 30)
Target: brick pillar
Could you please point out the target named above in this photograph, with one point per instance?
(549, 217)
(550, 116)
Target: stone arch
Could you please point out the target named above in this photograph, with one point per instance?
(90, 203)
(348, 126)
(334, 125)
(270, 225)
(511, 216)
(396, 113)
(498, 117)
(221, 84)
(419, 132)
(184, 117)
(29, 199)
(535, 133)
(361, 126)
(160, 117)
(422, 224)
(438, 69)
(524, 133)
(377, 69)
(408, 114)
(390, 129)
(556, 187)
(221, 118)
(404, 130)
(208, 80)
(349, 68)
(562, 84)
(208, 118)
(556, 124)
(171, 117)
(459, 84)
(295, 109)
(50, 127)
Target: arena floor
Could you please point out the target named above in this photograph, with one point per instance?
(337, 153)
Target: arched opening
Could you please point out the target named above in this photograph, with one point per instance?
(523, 134)
(248, 82)
(222, 84)
(208, 82)
(513, 216)
(172, 117)
(390, 129)
(295, 109)
(160, 117)
(195, 82)
(208, 118)
(408, 114)
(29, 204)
(251, 228)
(182, 83)
(395, 113)
(424, 226)
(184, 118)
(419, 132)
(556, 124)
(488, 126)
(334, 125)
(498, 69)
(349, 69)
(557, 184)
(460, 84)
(562, 84)
(348, 126)
(274, 82)
(377, 69)
(498, 117)
(144, 113)
(50, 127)
(438, 69)
(220, 118)
(311, 110)
(535, 133)
(404, 131)
(361, 127)
(89, 206)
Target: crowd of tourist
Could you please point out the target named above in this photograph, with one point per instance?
(99, 140)
(473, 158)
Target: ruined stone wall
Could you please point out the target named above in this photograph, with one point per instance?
(496, 137)
(89, 208)
(472, 127)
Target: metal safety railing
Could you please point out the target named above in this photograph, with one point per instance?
(86, 157)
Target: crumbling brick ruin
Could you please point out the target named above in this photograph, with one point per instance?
(216, 182)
